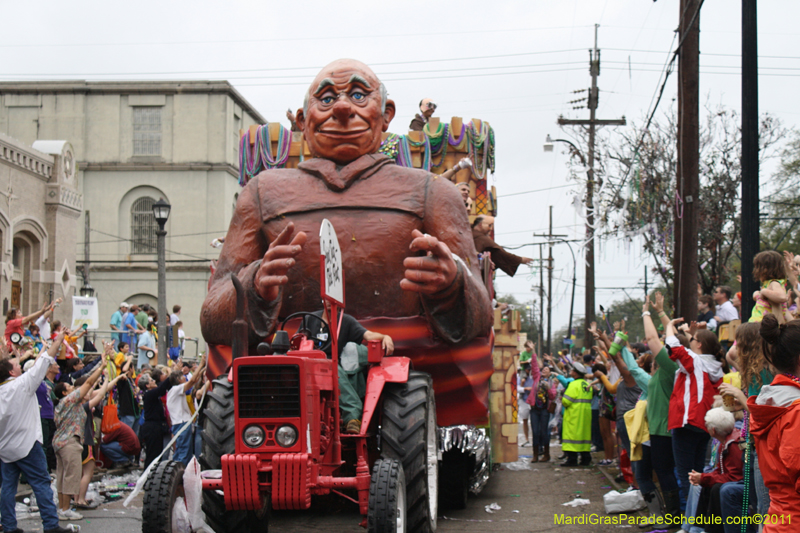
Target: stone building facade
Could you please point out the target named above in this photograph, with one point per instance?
(39, 209)
(134, 143)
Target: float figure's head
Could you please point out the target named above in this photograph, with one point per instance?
(345, 112)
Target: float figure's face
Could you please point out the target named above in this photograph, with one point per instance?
(343, 119)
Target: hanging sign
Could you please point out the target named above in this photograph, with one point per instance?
(85, 311)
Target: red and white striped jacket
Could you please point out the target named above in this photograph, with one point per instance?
(696, 382)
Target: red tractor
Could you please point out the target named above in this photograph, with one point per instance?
(272, 438)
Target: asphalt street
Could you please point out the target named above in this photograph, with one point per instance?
(529, 501)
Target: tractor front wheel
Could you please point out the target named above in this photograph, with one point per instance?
(387, 498)
(163, 486)
(409, 434)
(219, 435)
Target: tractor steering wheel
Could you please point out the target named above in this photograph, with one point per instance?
(321, 341)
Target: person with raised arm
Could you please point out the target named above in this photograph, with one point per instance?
(21, 440)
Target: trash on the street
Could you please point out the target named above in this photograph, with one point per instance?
(522, 464)
(616, 502)
(492, 507)
(576, 502)
(180, 516)
(475, 520)
(193, 490)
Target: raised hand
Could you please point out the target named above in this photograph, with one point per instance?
(658, 305)
(431, 273)
(280, 257)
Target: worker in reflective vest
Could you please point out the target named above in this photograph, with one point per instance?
(577, 402)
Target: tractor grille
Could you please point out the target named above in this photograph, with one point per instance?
(269, 391)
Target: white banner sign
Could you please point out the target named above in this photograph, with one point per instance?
(85, 311)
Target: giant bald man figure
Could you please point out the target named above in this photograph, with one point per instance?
(407, 248)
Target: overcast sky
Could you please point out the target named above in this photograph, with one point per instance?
(514, 64)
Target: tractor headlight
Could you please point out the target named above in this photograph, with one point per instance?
(253, 436)
(286, 436)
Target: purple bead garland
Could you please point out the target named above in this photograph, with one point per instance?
(456, 142)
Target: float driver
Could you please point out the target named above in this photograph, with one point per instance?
(352, 360)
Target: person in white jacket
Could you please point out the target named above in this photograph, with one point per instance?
(21, 440)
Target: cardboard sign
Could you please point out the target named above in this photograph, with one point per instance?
(332, 282)
(85, 311)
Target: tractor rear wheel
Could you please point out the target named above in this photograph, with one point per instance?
(387, 498)
(162, 487)
(219, 438)
(409, 434)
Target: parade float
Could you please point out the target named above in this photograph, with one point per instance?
(345, 204)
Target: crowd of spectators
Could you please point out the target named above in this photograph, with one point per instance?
(701, 416)
(68, 411)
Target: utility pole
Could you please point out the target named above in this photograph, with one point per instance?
(541, 302)
(593, 123)
(550, 287)
(750, 207)
(685, 258)
(549, 236)
(646, 294)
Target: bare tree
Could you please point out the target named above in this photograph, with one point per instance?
(637, 194)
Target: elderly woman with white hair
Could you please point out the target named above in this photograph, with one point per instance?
(727, 466)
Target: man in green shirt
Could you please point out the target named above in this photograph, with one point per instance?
(141, 316)
(659, 391)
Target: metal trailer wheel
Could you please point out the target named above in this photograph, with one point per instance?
(163, 486)
(387, 498)
(219, 438)
(409, 434)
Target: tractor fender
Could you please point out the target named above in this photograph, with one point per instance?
(389, 370)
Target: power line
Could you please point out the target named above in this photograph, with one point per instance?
(535, 190)
(704, 53)
(277, 39)
(283, 69)
(121, 239)
(146, 244)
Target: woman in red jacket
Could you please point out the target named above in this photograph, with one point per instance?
(727, 466)
(696, 382)
(775, 425)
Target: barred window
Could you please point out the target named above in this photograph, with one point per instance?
(147, 131)
(143, 226)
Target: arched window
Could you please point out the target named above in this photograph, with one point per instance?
(143, 226)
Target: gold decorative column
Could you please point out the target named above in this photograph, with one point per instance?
(503, 387)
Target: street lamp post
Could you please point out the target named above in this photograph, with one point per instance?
(87, 291)
(161, 213)
(548, 147)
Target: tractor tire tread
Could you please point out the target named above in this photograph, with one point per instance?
(159, 492)
(383, 491)
(403, 437)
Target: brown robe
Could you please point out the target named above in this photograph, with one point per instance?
(417, 123)
(505, 261)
